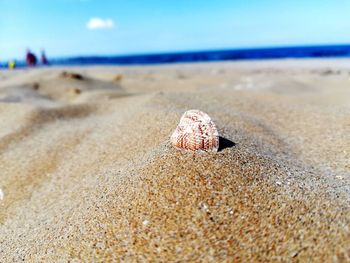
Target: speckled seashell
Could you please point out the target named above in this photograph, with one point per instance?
(196, 132)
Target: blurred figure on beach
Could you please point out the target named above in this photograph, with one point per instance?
(43, 58)
(11, 64)
(31, 59)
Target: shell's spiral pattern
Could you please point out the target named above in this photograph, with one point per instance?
(196, 131)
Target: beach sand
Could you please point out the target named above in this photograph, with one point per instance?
(88, 173)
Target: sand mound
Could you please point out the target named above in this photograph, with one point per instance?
(63, 88)
(94, 177)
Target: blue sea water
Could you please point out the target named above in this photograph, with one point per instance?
(332, 51)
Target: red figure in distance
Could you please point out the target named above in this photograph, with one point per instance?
(30, 59)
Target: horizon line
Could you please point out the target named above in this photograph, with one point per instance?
(188, 51)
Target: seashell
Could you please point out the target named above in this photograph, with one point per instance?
(196, 132)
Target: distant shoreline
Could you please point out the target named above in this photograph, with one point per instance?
(324, 51)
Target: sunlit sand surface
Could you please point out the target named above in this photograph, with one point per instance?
(88, 171)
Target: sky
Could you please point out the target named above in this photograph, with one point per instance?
(118, 27)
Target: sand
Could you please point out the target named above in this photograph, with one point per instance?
(88, 173)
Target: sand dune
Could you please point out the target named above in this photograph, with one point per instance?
(88, 173)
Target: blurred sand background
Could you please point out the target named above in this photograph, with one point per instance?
(88, 174)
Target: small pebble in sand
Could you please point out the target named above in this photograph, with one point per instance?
(1, 195)
(145, 222)
(196, 132)
(71, 75)
(36, 86)
(77, 91)
(118, 78)
(204, 206)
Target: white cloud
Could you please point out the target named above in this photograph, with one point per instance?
(99, 23)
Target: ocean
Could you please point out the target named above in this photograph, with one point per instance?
(332, 51)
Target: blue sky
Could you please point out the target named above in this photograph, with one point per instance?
(150, 26)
